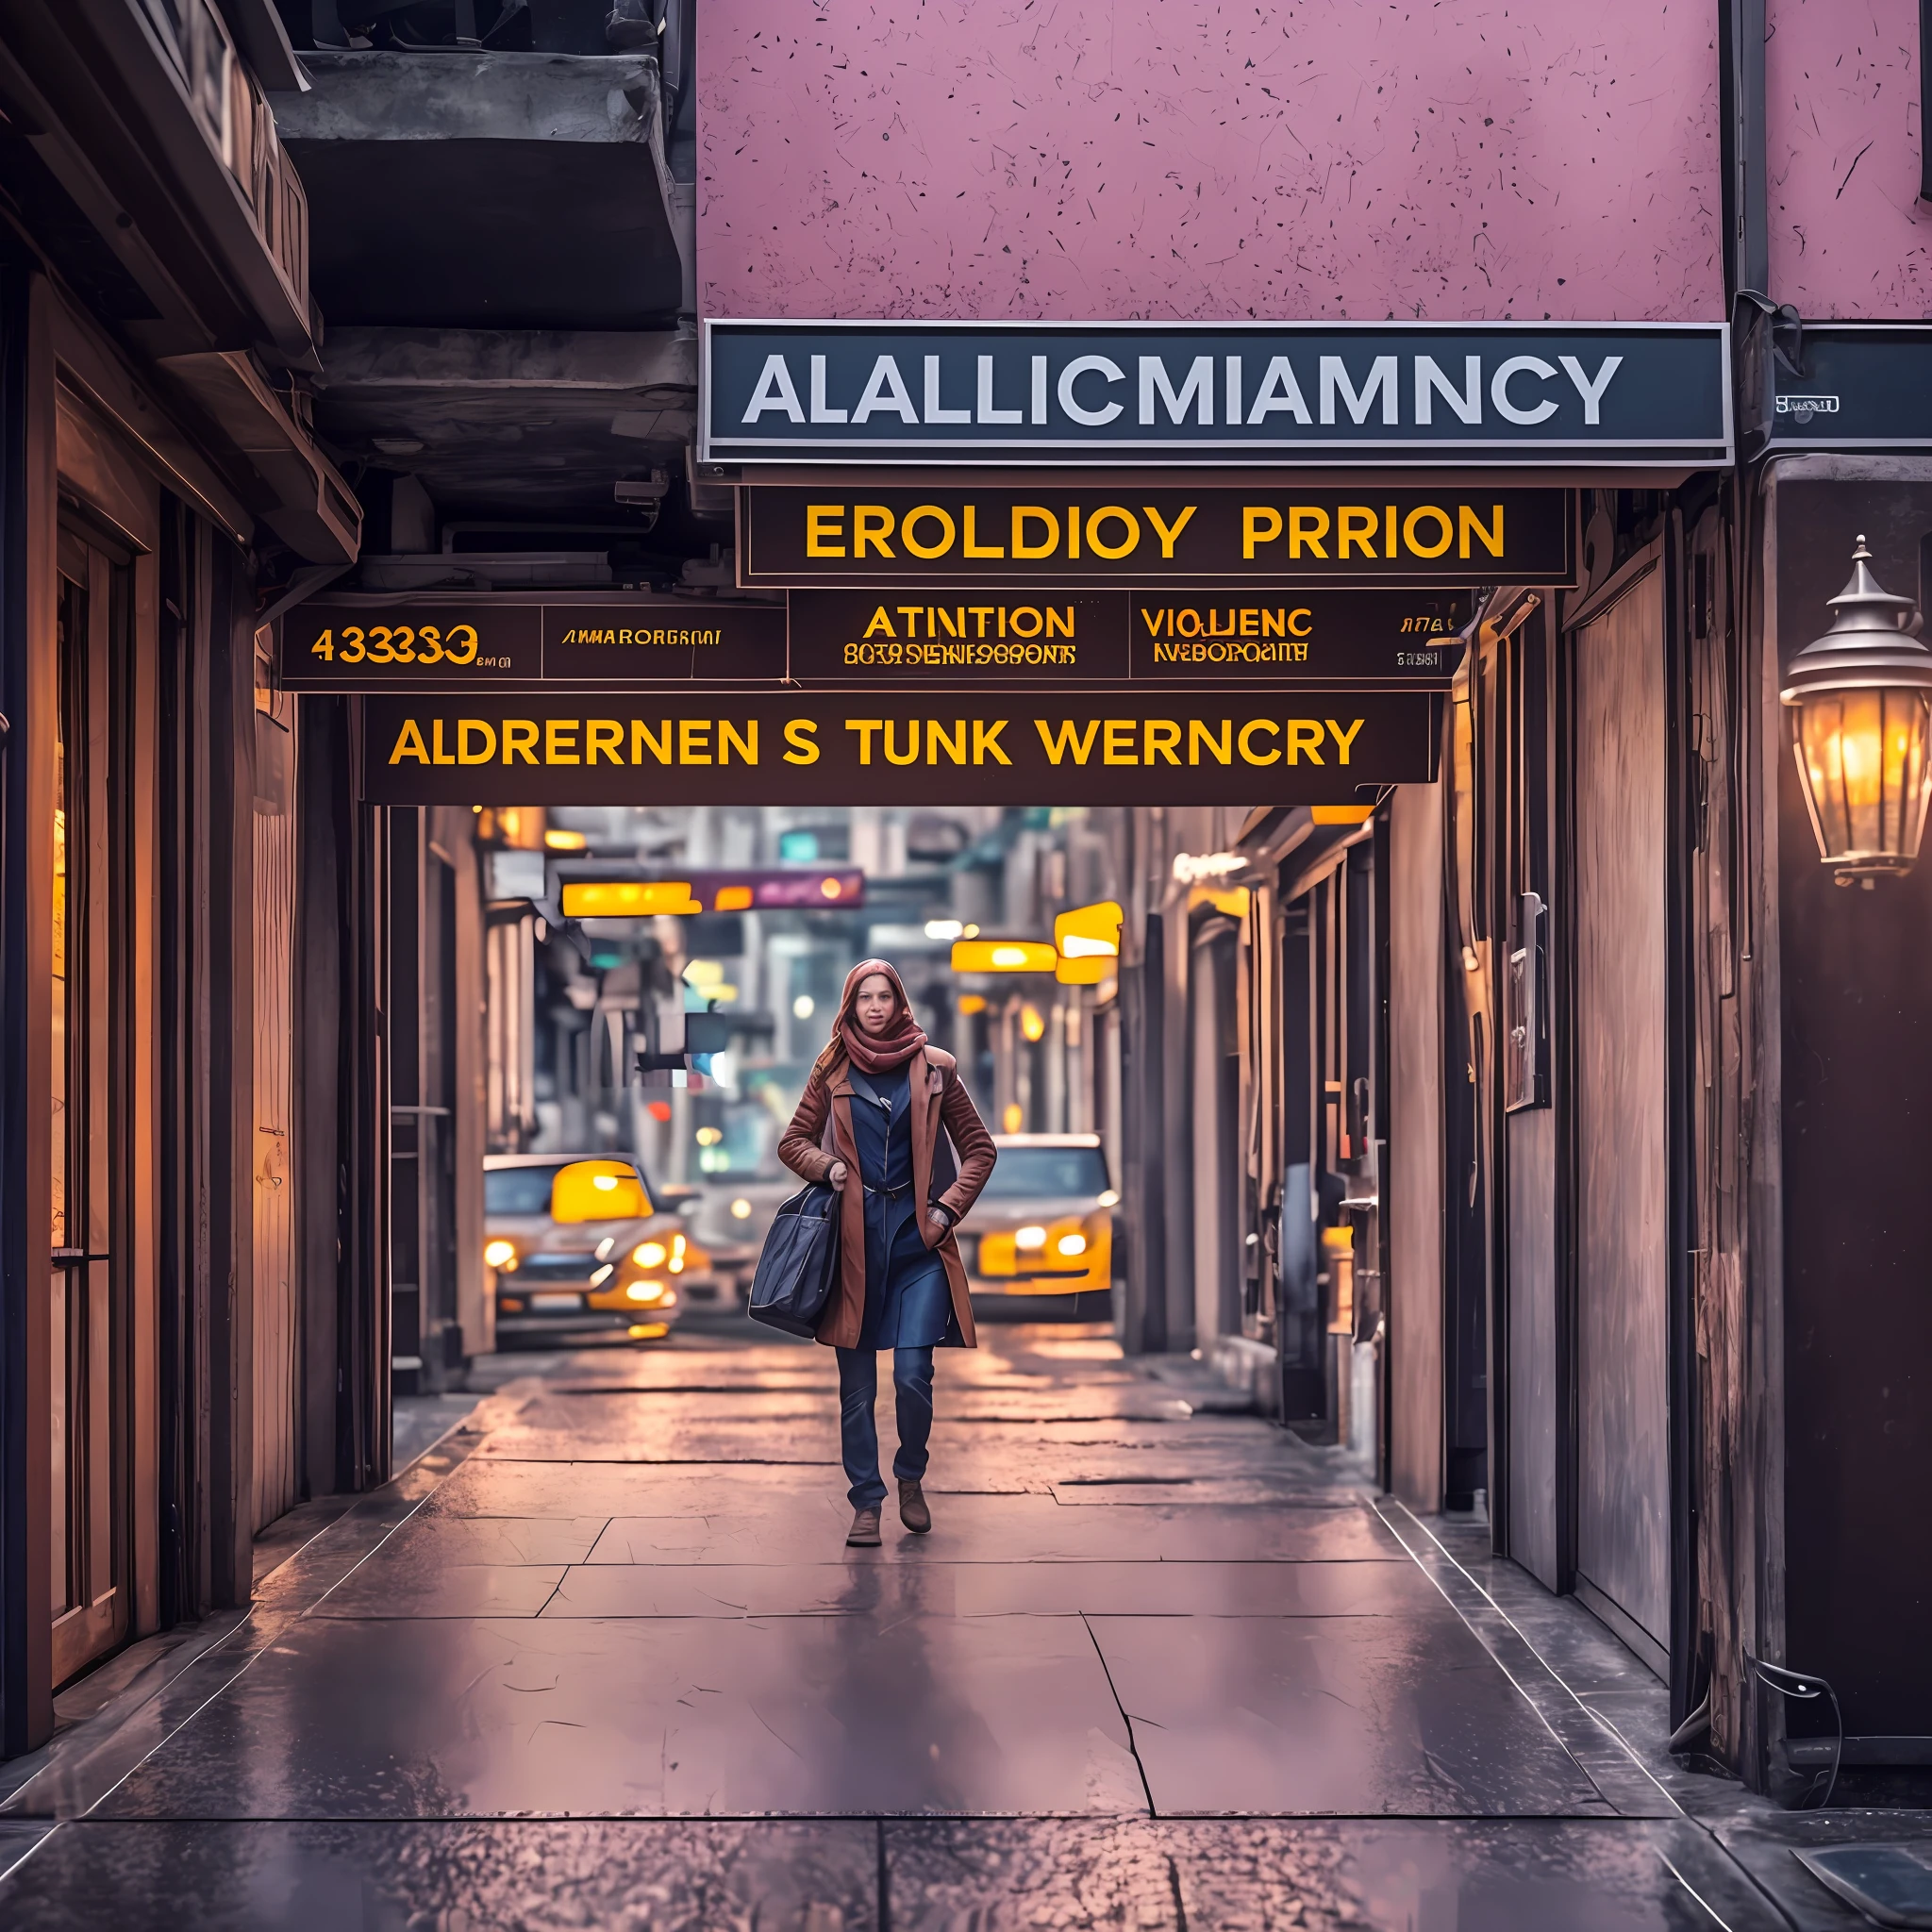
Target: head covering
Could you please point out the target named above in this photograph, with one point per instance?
(873, 1053)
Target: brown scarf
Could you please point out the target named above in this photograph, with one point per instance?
(875, 1053)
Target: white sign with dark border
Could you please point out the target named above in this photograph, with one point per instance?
(1362, 393)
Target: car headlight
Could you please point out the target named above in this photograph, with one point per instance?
(741, 1210)
(1029, 1237)
(644, 1291)
(499, 1254)
(602, 1275)
(650, 1254)
(1071, 1244)
(678, 1244)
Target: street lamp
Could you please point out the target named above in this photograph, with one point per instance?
(1863, 700)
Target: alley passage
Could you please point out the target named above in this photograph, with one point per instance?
(601, 1658)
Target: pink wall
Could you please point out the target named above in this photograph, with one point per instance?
(1849, 236)
(1103, 158)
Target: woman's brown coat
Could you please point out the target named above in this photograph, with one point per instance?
(937, 1099)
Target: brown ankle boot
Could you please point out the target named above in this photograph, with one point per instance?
(912, 1510)
(865, 1533)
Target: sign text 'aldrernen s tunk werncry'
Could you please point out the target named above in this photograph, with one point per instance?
(1203, 747)
(1404, 394)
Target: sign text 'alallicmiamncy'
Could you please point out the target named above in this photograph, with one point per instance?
(1179, 392)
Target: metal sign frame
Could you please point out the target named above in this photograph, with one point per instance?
(981, 407)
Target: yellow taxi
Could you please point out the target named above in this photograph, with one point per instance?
(1040, 1239)
(575, 1245)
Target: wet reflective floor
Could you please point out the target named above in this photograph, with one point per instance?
(602, 1659)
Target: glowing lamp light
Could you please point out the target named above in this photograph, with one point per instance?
(829, 888)
(1862, 703)
(741, 1210)
(564, 841)
(499, 1254)
(650, 1254)
(1032, 1023)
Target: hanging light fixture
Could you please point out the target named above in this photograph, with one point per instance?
(1861, 699)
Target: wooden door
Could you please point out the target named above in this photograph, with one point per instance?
(277, 1323)
(89, 1140)
(1620, 1054)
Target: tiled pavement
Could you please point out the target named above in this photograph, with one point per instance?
(601, 1658)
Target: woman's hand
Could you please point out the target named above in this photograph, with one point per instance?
(940, 1225)
(836, 1173)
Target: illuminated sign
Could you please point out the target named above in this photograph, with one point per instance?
(1166, 539)
(1002, 956)
(364, 642)
(611, 897)
(1110, 747)
(1172, 393)
(626, 898)
(1027, 638)
(963, 640)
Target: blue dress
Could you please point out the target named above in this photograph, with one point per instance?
(908, 1301)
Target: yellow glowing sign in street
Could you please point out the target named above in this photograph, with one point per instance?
(1089, 932)
(627, 898)
(1230, 900)
(1095, 970)
(1088, 940)
(1004, 955)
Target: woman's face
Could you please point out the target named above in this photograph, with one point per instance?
(874, 1003)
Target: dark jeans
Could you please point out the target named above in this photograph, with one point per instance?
(858, 1429)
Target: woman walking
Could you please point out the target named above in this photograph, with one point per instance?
(869, 1123)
